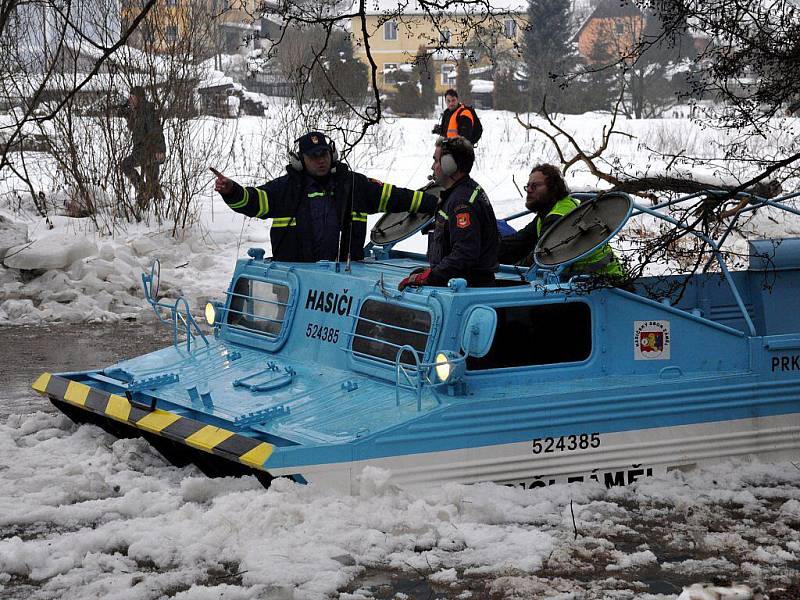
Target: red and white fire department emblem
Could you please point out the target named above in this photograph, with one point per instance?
(651, 340)
(462, 220)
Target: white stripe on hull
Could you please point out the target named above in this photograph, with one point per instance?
(770, 438)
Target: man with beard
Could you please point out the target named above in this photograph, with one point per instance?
(547, 196)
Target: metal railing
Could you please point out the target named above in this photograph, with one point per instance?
(715, 246)
(180, 315)
(411, 375)
(252, 316)
(355, 335)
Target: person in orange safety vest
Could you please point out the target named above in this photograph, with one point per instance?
(457, 119)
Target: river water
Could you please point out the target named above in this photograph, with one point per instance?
(27, 352)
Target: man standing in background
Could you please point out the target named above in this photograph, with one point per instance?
(149, 147)
(457, 119)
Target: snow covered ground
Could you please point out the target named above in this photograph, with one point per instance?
(83, 515)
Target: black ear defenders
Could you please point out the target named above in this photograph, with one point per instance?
(296, 160)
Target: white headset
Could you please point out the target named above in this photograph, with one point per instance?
(447, 161)
(296, 160)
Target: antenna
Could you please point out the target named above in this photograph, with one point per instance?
(348, 213)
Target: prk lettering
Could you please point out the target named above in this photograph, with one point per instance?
(786, 363)
(329, 302)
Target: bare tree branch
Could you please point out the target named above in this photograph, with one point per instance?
(35, 100)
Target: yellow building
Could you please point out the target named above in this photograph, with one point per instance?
(394, 39)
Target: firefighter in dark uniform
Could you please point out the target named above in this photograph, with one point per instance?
(547, 196)
(319, 207)
(464, 240)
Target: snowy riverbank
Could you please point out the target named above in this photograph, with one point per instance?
(70, 273)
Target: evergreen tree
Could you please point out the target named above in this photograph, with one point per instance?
(547, 51)
(405, 100)
(506, 95)
(463, 82)
(423, 68)
(345, 71)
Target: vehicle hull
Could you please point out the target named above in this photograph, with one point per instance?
(623, 457)
(316, 372)
(611, 458)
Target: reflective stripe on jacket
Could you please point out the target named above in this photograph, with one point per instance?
(453, 124)
(289, 202)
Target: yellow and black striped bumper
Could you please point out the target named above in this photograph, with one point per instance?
(207, 438)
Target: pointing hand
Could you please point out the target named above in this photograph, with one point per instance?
(222, 184)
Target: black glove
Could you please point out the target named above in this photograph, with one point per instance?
(437, 129)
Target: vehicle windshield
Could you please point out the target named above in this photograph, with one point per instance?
(258, 306)
(384, 328)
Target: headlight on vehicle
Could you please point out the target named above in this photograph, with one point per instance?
(443, 367)
(449, 366)
(211, 313)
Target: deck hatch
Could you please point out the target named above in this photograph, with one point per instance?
(383, 328)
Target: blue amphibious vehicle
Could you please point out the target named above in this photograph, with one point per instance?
(317, 371)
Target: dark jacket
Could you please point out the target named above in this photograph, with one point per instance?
(458, 121)
(464, 240)
(146, 131)
(303, 229)
(517, 249)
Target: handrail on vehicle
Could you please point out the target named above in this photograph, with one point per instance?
(421, 368)
(415, 385)
(177, 315)
(754, 204)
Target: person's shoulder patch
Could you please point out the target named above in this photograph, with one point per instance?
(462, 220)
(375, 181)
